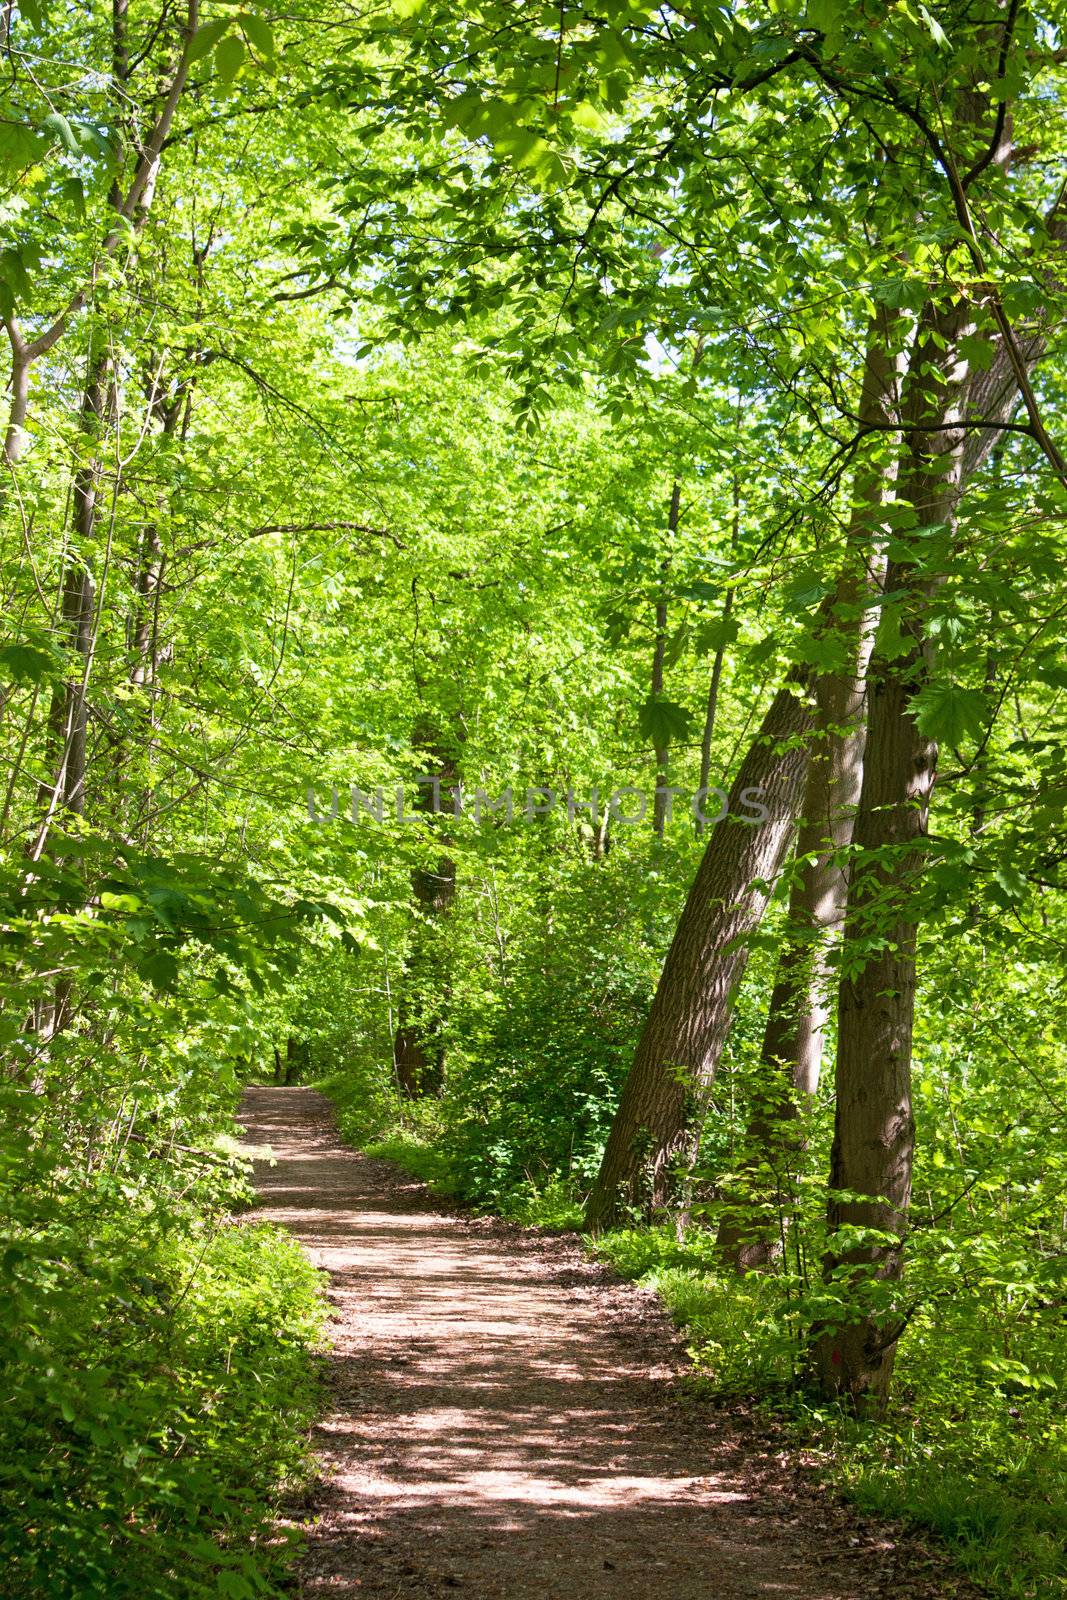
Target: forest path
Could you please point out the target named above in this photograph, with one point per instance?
(505, 1419)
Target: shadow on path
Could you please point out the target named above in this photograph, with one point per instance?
(503, 1419)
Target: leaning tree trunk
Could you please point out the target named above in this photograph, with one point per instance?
(683, 1036)
(752, 1227)
(687, 1026)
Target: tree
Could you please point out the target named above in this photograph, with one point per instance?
(797, 1016)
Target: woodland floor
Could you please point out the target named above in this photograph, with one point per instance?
(507, 1419)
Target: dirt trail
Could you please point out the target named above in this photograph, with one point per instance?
(506, 1422)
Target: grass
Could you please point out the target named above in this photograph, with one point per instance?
(416, 1155)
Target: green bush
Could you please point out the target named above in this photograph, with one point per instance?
(160, 1384)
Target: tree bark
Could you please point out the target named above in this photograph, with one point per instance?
(418, 1047)
(683, 1036)
(791, 1054)
(660, 751)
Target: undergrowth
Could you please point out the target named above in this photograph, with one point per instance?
(159, 1383)
(973, 1449)
(413, 1134)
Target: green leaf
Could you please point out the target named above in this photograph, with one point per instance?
(13, 271)
(949, 713)
(825, 17)
(25, 663)
(206, 38)
(978, 351)
(676, 645)
(700, 589)
(587, 116)
(661, 721)
(161, 970)
(229, 56)
(805, 589)
(718, 634)
(1011, 880)
(74, 192)
(20, 146)
(57, 125)
(258, 33)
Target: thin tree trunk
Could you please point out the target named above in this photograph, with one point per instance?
(149, 584)
(712, 710)
(418, 1048)
(70, 713)
(660, 751)
(21, 362)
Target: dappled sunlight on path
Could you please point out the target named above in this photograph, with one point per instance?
(503, 1419)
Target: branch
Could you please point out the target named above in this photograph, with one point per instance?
(1002, 108)
(139, 187)
(327, 527)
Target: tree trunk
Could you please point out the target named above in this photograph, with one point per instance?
(874, 1133)
(711, 710)
(68, 716)
(15, 437)
(418, 1047)
(693, 1002)
(683, 1036)
(791, 1055)
(660, 751)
